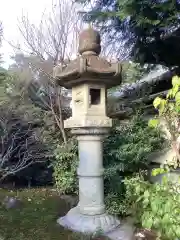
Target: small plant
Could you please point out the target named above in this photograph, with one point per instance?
(169, 112)
(155, 206)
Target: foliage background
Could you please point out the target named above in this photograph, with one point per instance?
(126, 152)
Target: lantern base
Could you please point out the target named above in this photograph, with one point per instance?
(89, 224)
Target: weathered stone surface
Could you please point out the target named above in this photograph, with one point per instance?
(88, 67)
(87, 224)
(89, 76)
(89, 40)
(124, 232)
(88, 122)
(90, 216)
(85, 113)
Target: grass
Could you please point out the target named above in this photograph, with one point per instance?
(36, 219)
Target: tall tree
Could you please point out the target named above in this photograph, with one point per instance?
(51, 42)
(3, 72)
(149, 29)
(1, 36)
(29, 86)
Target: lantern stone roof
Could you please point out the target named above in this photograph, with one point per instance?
(88, 66)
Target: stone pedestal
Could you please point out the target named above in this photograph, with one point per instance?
(90, 216)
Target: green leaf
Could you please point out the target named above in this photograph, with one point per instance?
(146, 194)
(162, 106)
(177, 108)
(169, 94)
(157, 102)
(165, 219)
(171, 106)
(167, 207)
(154, 172)
(155, 22)
(175, 89)
(175, 81)
(177, 97)
(145, 202)
(153, 123)
(148, 223)
(154, 207)
(178, 231)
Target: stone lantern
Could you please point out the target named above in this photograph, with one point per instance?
(89, 76)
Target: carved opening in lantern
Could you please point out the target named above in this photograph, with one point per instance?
(95, 96)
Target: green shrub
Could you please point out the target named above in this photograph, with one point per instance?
(125, 152)
(169, 111)
(65, 167)
(127, 147)
(154, 206)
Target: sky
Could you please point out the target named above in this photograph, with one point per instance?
(10, 11)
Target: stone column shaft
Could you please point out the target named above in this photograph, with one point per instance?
(90, 216)
(90, 172)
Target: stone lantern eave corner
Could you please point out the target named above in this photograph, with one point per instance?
(68, 77)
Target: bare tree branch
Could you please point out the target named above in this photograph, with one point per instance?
(18, 147)
(53, 41)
